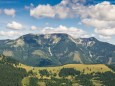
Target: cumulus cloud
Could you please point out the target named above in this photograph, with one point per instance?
(101, 17)
(72, 8)
(73, 31)
(105, 31)
(10, 33)
(98, 23)
(34, 28)
(104, 37)
(9, 12)
(62, 10)
(102, 27)
(14, 25)
(101, 11)
(42, 10)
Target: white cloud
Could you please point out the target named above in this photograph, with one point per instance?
(101, 11)
(73, 8)
(61, 10)
(105, 31)
(10, 33)
(102, 27)
(101, 17)
(42, 10)
(104, 37)
(14, 25)
(9, 12)
(98, 23)
(34, 28)
(73, 31)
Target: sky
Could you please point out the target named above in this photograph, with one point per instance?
(78, 18)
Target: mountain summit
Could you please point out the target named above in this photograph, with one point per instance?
(57, 49)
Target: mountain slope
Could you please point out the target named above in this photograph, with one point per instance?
(57, 49)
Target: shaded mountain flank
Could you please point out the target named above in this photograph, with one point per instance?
(57, 49)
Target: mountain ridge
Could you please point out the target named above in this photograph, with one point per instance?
(57, 49)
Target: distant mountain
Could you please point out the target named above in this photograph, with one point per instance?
(57, 49)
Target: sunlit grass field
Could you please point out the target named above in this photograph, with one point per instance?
(83, 68)
(86, 68)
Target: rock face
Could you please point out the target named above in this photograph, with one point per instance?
(57, 49)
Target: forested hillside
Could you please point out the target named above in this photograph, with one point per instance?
(13, 73)
(10, 75)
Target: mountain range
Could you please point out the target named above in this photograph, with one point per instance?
(57, 49)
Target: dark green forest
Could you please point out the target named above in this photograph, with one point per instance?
(10, 75)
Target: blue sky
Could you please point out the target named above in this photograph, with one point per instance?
(79, 18)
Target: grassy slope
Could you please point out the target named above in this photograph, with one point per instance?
(80, 67)
(89, 68)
